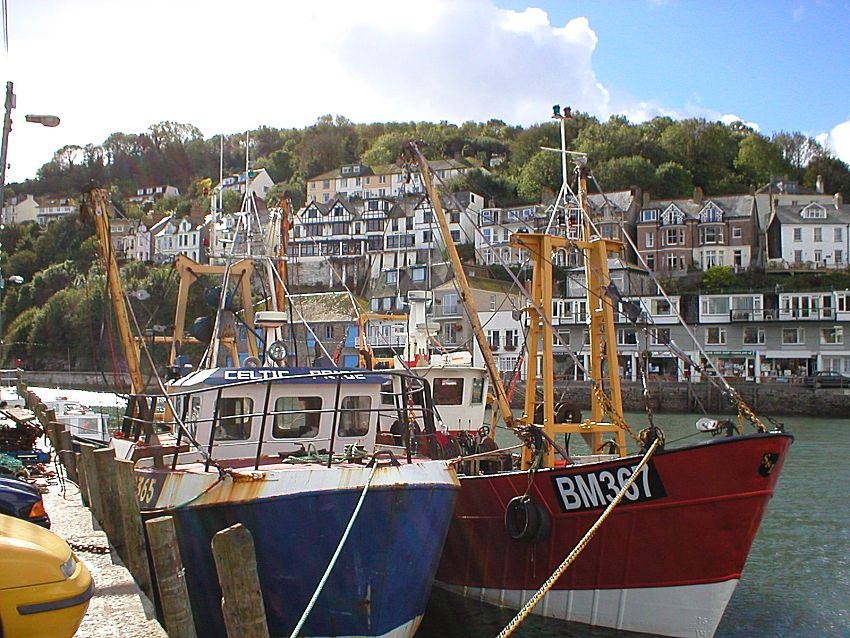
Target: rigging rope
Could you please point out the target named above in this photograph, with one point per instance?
(538, 595)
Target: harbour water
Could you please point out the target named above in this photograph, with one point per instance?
(797, 580)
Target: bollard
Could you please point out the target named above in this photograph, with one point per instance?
(242, 600)
(66, 453)
(134, 534)
(170, 578)
(92, 479)
(81, 479)
(111, 514)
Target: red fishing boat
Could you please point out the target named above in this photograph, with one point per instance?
(661, 536)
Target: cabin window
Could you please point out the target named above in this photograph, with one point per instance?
(477, 390)
(387, 394)
(234, 419)
(448, 391)
(354, 416)
(296, 417)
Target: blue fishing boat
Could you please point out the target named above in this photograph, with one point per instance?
(348, 532)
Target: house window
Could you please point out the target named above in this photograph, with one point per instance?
(832, 336)
(793, 336)
(449, 304)
(715, 306)
(711, 235)
(818, 234)
(456, 236)
(798, 256)
(450, 332)
(329, 332)
(649, 215)
(511, 339)
(753, 336)
(626, 337)
(674, 237)
(650, 239)
(492, 303)
(839, 256)
(738, 257)
(715, 336)
(659, 336)
(650, 262)
(561, 338)
(838, 234)
(417, 274)
(818, 256)
(798, 234)
(737, 232)
(392, 276)
(493, 338)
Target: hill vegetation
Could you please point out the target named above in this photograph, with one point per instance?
(59, 317)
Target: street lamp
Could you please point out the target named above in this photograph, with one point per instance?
(44, 120)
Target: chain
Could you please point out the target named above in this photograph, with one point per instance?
(88, 548)
(610, 411)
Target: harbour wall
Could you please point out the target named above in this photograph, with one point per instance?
(772, 399)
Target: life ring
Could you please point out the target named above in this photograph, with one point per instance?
(527, 520)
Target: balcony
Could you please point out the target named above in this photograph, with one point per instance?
(807, 314)
(746, 315)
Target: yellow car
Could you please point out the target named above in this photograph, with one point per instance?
(44, 588)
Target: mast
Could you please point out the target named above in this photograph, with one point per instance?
(466, 294)
(96, 201)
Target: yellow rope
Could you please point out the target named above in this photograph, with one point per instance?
(523, 613)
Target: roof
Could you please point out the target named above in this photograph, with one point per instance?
(732, 205)
(791, 215)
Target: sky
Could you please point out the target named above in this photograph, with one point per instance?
(105, 66)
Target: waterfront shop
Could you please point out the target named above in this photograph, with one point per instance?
(785, 367)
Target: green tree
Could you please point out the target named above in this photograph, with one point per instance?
(759, 160)
(621, 173)
(541, 175)
(673, 180)
(835, 173)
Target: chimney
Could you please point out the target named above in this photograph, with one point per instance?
(698, 194)
(646, 199)
(839, 200)
(819, 184)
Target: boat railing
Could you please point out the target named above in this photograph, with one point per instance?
(410, 410)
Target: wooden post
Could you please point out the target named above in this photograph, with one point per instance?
(110, 512)
(52, 431)
(170, 578)
(242, 600)
(81, 479)
(66, 452)
(134, 534)
(92, 479)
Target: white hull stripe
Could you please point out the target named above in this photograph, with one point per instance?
(691, 611)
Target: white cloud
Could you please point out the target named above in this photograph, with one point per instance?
(106, 66)
(838, 141)
(730, 118)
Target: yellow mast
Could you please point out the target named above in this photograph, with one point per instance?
(97, 202)
(465, 292)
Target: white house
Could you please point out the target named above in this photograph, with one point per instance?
(812, 235)
(256, 181)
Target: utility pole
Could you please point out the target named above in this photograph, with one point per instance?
(7, 127)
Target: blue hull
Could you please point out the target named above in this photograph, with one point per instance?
(381, 581)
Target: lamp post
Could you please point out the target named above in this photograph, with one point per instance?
(44, 120)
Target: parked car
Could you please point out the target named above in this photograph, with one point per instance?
(828, 379)
(22, 500)
(44, 589)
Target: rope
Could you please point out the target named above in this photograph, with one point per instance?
(538, 595)
(334, 558)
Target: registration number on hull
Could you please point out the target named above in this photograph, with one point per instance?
(596, 489)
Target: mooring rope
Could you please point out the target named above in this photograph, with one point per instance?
(523, 613)
(334, 558)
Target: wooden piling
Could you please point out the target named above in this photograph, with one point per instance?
(92, 479)
(110, 508)
(170, 578)
(135, 547)
(66, 452)
(81, 479)
(242, 600)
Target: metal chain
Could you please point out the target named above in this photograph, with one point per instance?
(610, 411)
(88, 548)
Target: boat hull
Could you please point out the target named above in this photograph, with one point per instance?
(665, 562)
(382, 580)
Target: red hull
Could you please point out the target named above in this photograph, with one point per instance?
(696, 529)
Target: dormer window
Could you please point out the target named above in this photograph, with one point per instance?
(649, 215)
(672, 217)
(711, 213)
(813, 211)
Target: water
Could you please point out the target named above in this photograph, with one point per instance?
(797, 579)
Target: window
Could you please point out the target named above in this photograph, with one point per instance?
(838, 234)
(626, 337)
(417, 274)
(792, 336)
(818, 234)
(650, 262)
(296, 417)
(737, 232)
(813, 211)
(450, 332)
(659, 336)
(711, 235)
(715, 306)
(674, 237)
(650, 239)
(493, 338)
(354, 416)
(798, 234)
(561, 338)
(392, 276)
(798, 256)
(832, 336)
(753, 336)
(234, 419)
(839, 256)
(329, 332)
(715, 336)
(649, 215)
(818, 256)
(511, 339)
(456, 236)
(448, 391)
(449, 304)
(661, 308)
(478, 390)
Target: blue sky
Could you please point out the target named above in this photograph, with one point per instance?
(121, 65)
